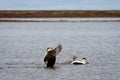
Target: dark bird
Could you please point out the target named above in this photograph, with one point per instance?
(50, 57)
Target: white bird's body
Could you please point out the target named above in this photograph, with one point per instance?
(83, 61)
(76, 62)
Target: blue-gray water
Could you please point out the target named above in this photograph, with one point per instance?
(23, 46)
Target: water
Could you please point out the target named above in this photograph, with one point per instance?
(23, 46)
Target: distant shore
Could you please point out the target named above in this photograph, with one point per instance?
(58, 13)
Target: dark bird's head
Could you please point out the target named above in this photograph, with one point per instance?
(49, 49)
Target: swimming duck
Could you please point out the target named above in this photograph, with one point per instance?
(74, 58)
(83, 61)
(50, 57)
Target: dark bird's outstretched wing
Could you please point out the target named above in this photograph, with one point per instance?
(53, 52)
(58, 49)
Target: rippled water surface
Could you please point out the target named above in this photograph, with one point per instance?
(23, 46)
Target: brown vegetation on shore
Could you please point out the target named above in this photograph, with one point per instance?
(58, 14)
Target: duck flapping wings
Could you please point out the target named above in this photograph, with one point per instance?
(55, 51)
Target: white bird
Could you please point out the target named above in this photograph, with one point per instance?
(77, 62)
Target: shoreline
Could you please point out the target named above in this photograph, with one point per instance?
(59, 20)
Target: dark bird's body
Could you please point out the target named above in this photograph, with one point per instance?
(50, 57)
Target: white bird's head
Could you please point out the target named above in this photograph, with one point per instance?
(84, 61)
